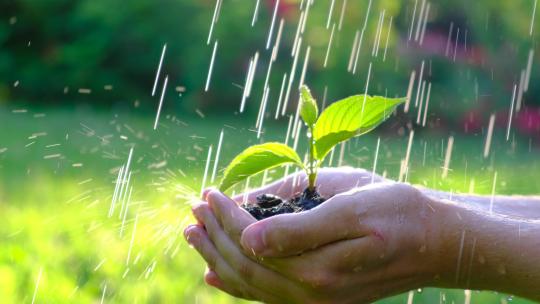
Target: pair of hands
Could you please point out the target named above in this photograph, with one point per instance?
(368, 241)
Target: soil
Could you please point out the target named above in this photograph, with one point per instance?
(268, 205)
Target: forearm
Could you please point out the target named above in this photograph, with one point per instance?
(514, 206)
(488, 251)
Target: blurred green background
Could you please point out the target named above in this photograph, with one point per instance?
(75, 96)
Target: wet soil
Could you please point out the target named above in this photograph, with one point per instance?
(268, 205)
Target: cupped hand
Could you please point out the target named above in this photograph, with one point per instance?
(359, 246)
(330, 181)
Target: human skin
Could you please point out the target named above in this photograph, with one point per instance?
(369, 241)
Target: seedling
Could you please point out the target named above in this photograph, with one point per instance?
(341, 121)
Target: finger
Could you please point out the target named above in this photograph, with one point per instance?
(284, 188)
(205, 193)
(232, 218)
(253, 274)
(339, 258)
(290, 234)
(199, 239)
(212, 278)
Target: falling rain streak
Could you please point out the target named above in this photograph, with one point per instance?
(210, 69)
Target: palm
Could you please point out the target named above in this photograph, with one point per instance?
(330, 181)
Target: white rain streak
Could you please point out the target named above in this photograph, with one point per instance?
(532, 18)
(353, 51)
(449, 39)
(121, 183)
(297, 136)
(275, 50)
(421, 102)
(125, 210)
(304, 68)
(329, 45)
(420, 79)
(297, 36)
(296, 122)
(103, 294)
(343, 7)
(378, 34)
(359, 46)
(427, 105)
(405, 163)
(159, 69)
(214, 20)
(375, 160)
(210, 69)
(38, 280)
(487, 145)
(216, 160)
(520, 90)
(366, 91)
(255, 13)
(249, 80)
(412, 19)
(388, 37)
(529, 68)
(460, 256)
(123, 196)
(511, 114)
(419, 22)
(270, 32)
(291, 80)
(341, 153)
(424, 24)
(262, 111)
(325, 94)
(330, 14)
(133, 233)
(161, 101)
(493, 193)
(304, 22)
(331, 160)
(208, 158)
(280, 95)
(410, 297)
(409, 91)
(448, 156)
(357, 53)
(116, 190)
(287, 134)
(456, 44)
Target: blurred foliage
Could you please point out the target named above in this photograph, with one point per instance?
(49, 49)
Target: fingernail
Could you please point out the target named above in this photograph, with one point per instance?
(198, 211)
(189, 235)
(206, 192)
(253, 239)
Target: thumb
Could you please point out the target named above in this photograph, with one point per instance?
(291, 234)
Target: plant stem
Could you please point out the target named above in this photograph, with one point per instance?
(312, 173)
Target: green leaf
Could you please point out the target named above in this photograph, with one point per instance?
(256, 159)
(350, 117)
(308, 106)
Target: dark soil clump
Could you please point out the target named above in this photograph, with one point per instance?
(268, 205)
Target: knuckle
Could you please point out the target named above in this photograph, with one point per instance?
(321, 281)
(245, 270)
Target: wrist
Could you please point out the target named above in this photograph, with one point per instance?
(453, 236)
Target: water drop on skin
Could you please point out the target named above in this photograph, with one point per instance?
(501, 269)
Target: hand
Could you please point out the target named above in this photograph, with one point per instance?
(330, 181)
(368, 243)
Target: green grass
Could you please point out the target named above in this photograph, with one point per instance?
(57, 179)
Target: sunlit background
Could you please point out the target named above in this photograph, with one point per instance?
(111, 114)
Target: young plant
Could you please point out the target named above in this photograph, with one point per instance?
(341, 121)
